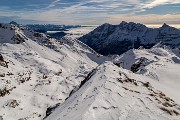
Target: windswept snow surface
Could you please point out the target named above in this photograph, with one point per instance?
(39, 73)
(113, 93)
(161, 64)
(116, 93)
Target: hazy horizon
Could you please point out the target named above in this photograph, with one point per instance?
(148, 25)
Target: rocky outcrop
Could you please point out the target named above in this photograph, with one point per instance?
(3, 63)
(1, 58)
(136, 66)
(18, 39)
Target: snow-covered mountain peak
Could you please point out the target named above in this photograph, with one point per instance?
(131, 26)
(123, 23)
(165, 25)
(106, 24)
(117, 39)
(104, 27)
(10, 33)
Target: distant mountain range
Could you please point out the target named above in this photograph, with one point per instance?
(49, 27)
(117, 39)
(58, 30)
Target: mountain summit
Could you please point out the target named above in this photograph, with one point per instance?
(117, 39)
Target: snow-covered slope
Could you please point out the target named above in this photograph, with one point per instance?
(117, 39)
(113, 93)
(37, 72)
(140, 84)
(159, 63)
(42, 78)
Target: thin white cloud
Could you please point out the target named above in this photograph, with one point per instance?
(155, 3)
(53, 3)
(146, 19)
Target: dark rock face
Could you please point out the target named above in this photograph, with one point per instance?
(18, 39)
(116, 39)
(1, 58)
(12, 103)
(13, 23)
(51, 109)
(136, 66)
(4, 92)
(3, 63)
(37, 34)
(57, 35)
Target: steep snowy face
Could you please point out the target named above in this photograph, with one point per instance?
(113, 93)
(159, 63)
(117, 39)
(38, 72)
(101, 34)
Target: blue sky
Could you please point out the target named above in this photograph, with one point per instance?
(90, 12)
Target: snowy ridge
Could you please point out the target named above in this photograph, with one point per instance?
(117, 39)
(39, 72)
(82, 44)
(159, 63)
(128, 99)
